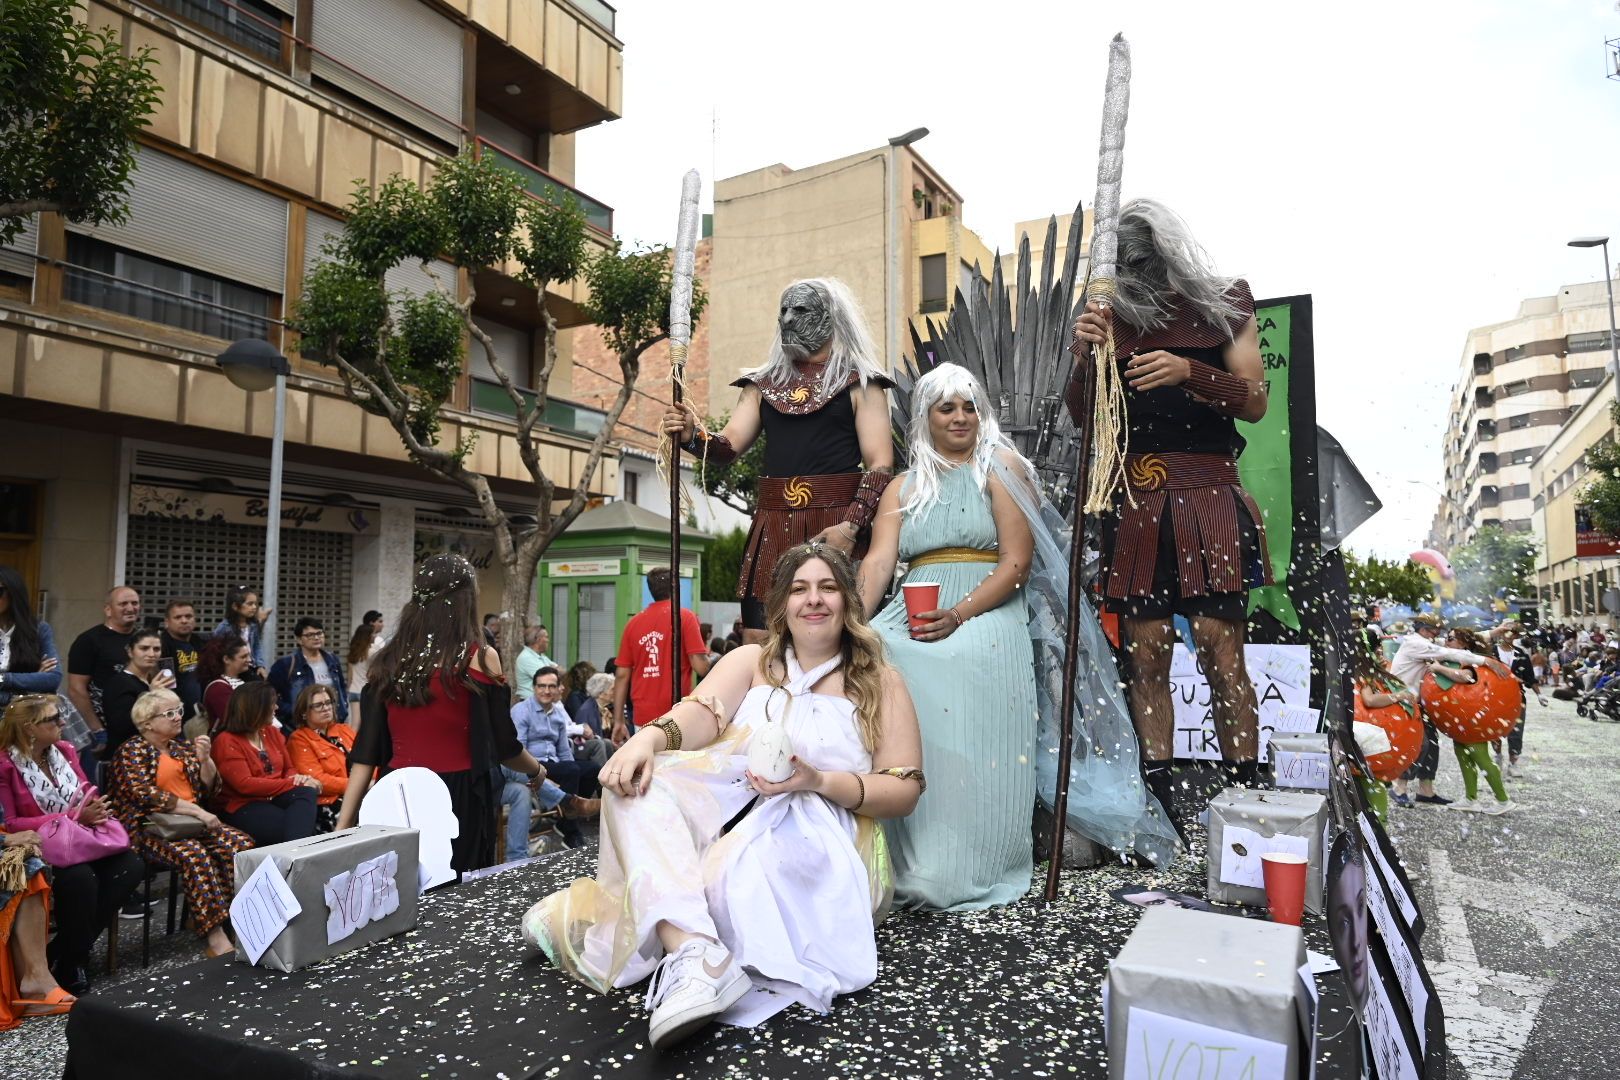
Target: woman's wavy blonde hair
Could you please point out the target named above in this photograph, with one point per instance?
(864, 660)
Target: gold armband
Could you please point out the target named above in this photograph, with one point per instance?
(907, 773)
(671, 730)
(712, 703)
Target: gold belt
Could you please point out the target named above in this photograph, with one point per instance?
(953, 554)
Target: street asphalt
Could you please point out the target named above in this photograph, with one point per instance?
(1522, 909)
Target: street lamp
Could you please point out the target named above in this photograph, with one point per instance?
(892, 301)
(254, 364)
(1608, 281)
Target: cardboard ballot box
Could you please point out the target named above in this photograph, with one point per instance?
(324, 895)
(1301, 762)
(1245, 824)
(1199, 994)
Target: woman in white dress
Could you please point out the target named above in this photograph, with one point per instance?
(735, 893)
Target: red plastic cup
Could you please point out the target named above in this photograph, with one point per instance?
(921, 597)
(1285, 885)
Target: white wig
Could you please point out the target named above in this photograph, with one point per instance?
(1159, 260)
(928, 466)
(852, 348)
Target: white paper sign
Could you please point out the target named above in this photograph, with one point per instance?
(360, 896)
(415, 798)
(1409, 911)
(1307, 1004)
(1241, 850)
(1389, 1049)
(1401, 959)
(1159, 1046)
(1296, 770)
(262, 909)
(1281, 677)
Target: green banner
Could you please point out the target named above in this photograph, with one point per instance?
(1267, 464)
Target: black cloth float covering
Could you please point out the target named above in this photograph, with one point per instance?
(1011, 992)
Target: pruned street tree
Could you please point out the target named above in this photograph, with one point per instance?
(72, 105)
(400, 356)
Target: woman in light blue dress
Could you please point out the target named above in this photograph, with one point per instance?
(969, 665)
(984, 667)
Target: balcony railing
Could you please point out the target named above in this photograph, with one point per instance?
(542, 185)
(489, 398)
(598, 12)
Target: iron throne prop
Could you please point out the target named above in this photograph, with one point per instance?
(1022, 364)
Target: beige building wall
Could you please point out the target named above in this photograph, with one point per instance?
(80, 384)
(78, 476)
(1571, 588)
(775, 225)
(1520, 381)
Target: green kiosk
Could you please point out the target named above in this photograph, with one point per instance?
(594, 577)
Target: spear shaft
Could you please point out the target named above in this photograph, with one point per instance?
(1099, 287)
(680, 337)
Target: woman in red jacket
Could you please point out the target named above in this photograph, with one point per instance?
(320, 747)
(260, 792)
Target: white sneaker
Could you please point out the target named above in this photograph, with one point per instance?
(692, 985)
(1497, 808)
(1513, 770)
(1468, 805)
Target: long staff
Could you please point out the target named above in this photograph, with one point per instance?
(1100, 410)
(680, 336)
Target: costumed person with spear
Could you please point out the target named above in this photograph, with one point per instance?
(820, 401)
(1177, 361)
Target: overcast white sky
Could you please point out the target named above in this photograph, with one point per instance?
(1417, 167)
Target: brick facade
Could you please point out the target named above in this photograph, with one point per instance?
(596, 375)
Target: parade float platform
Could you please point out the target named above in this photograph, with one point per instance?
(1001, 993)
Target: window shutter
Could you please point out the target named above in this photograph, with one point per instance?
(203, 221)
(17, 257)
(287, 7)
(513, 353)
(407, 278)
(401, 44)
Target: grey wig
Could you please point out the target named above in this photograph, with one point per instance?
(1159, 260)
(852, 348)
(928, 466)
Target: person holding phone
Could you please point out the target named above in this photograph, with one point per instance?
(142, 671)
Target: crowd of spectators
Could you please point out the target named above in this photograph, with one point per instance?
(179, 748)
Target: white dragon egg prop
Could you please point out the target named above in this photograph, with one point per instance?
(770, 753)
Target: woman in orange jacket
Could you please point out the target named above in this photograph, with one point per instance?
(320, 747)
(260, 791)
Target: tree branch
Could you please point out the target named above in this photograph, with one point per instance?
(629, 367)
(24, 207)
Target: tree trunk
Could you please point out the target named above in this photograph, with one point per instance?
(517, 604)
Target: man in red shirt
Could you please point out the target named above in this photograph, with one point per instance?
(642, 666)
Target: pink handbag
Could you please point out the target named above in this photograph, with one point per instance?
(65, 842)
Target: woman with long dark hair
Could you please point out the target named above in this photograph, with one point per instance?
(365, 643)
(245, 618)
(774, 903)
(434, 699)
(28, 661)
(139, 674)
(224, 660)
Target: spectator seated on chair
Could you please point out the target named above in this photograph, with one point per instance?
(542, 727)
(27, 988)
(319, 747)
(259, 790)
(40, 778)
(159, 772)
